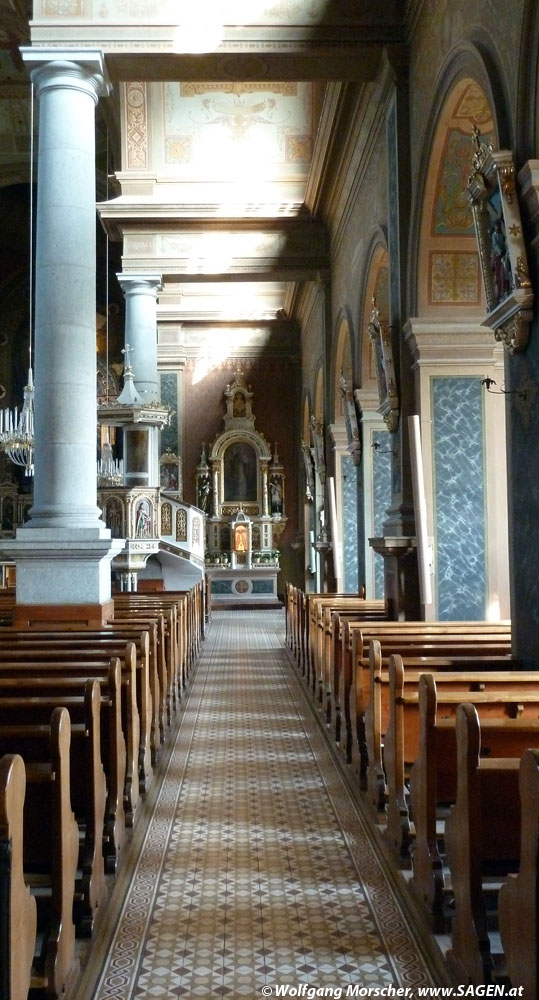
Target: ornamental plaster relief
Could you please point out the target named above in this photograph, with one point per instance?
(136, 125)
(249, 121)
(454, 278)
(245, 12)
(225, 251)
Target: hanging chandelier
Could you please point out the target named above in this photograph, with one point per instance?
(17, 429)
(110, 470)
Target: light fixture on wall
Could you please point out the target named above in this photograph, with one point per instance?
(17, 429)
(489, 382)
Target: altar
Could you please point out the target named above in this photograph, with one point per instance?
(257, 585)
(240, 485)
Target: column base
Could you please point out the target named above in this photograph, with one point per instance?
(48, 617)
(61, 569)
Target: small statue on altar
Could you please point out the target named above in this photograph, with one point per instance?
(204, 489)
(276, 495)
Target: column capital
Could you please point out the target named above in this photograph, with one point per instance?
(149, 284)
(76, 69)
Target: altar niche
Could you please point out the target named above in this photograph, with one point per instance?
(240, 487)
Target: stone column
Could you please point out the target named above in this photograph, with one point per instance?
(140, 291)
(63, 553)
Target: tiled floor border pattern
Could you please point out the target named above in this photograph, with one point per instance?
(256, 868)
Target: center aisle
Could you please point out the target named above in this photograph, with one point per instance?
(255, 869)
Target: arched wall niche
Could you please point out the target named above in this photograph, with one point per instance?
(343, 367)
(376, 460)
(527, 130)
(376, 291)
(475, 61)
(463, 472)
(448, 267)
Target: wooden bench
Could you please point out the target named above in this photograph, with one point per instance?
(411, 639)
(305, 625)
(401, 741)
(433, 780)
(455, 653)
(189, 614)
(50, 858)
(154, 626)
(321, 634)
(132, 647)
(113, 753)
(482, 835)
(518, 902)
(164, 618)
(331, 625)
(31, 700)
(18, 915)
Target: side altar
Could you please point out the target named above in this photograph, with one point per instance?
(240, 486)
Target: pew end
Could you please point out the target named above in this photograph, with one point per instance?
(18, 910)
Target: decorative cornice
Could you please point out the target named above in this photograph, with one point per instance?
(447, 342)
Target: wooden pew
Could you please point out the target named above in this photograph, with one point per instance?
(132, 647)
(18, 915)
(50, 859)
(129, 609)
(321, 634)
(482, 834)
(31, 700)
(135, 620)
(401, 741)
(113, 753)
(433, 781)
(518, 902)
(411, 639)
(332, 625)
(307, 625)
(457, 652)
(313, 614)
(189, 614)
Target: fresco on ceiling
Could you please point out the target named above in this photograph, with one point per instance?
(266, 125)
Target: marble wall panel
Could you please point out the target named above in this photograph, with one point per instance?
(381, 486)
(349, 529)
(459, 498)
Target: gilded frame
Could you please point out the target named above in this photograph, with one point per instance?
(494, 201)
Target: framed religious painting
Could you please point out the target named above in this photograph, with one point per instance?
(170, 472)
(493, 197)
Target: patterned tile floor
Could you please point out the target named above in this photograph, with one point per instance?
(256, 869)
